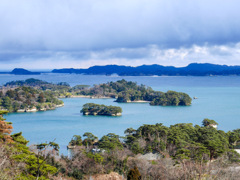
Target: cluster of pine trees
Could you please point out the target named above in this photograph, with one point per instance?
(97, 109)
(178, 147)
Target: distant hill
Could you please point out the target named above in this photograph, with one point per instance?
(194, 69)
(21, 71)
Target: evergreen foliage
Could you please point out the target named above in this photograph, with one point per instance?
(127, 91)
(180, 141)
(24, 163)
(76, 141)
(209, 122)
(19, 95)
(110, 141)
(24, 98)
(96, 109)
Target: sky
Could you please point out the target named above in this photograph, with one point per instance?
(49, 34)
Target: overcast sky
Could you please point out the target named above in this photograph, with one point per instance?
(47, 34)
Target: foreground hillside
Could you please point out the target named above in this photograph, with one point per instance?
(17, 161)
(181, 151)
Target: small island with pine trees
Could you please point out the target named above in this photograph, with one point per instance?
(103, 110)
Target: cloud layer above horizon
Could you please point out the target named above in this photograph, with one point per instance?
(77, 33)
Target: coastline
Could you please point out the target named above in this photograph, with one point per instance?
(105, 97)
(95, 114)
(139, 101)
(34, 109)
(128, 101)
(88, 96)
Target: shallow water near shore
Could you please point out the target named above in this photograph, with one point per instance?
(218, 99)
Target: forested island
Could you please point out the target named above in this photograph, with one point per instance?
(37, 95)
(102, 110)
(27, 99)
(29, 96)
(181, 151)
(128, 91)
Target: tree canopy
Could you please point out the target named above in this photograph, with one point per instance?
(97, 109)
(180, 141)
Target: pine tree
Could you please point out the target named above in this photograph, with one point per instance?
(5, 128)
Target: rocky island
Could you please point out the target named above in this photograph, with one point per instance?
(97, 109)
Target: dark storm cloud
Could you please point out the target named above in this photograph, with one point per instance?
(114, 29)
(92, 24)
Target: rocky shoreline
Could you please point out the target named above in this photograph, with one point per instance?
(95, 114)
(87, 96)
(34, 109)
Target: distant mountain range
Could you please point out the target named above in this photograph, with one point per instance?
(193, 69)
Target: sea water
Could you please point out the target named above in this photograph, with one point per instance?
(218, 99)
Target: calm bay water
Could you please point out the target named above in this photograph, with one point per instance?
(218, 99)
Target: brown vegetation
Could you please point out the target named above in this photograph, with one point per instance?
(5, 128)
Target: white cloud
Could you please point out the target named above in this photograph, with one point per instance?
(217, 54)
